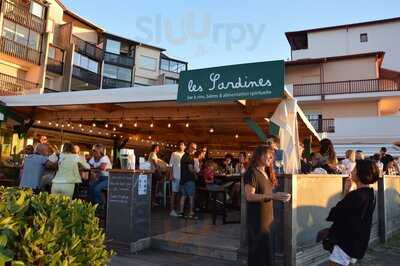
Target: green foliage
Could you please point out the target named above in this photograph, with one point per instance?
(49, 230)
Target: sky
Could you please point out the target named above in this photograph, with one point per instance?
(208, 33)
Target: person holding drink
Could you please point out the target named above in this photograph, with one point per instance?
(259, 182)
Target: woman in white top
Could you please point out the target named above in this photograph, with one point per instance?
(102, 163)
(350, 162)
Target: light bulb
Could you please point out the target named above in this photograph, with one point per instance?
(211, 130)
(149, 137)
(39, 122)
(106, 125)
(236, 136)
(151, 125)
(94, 124)
(187, 125)
(114, 129)
(121, 125)
(135, 125)
(169, 125)
(80, 125)
(56, 125)
(49, 123)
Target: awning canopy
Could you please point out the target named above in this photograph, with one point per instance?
(152, 114)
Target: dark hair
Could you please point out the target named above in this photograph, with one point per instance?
(154, 146)
(326, 148)
(359, 151)
(180, 142)
(29, 149)
(367, 171)
(376, 157)
(68, 148)
(243, 153)
(197, 154)
(383, 149)
(229, 156)
(260, 151)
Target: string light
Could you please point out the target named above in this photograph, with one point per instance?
(39, 122)
(49, 123)
(152, 125)
(149, 137)
(120, 123)
(135, 125)
(169, 125)
(106, 125)
(94, 124)
(80, 125)
(114, 129)
(62, 125)
(236, 136)
(90, 131)
(211, 130)
(69, 124)
(187, 124)
(56, 124)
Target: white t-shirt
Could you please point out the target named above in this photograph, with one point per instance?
(349, 165)
(102, 160)
(175, 163)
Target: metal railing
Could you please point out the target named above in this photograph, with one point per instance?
(15, 49)
(88, 49)
(109, 83)
(10, 85)
(22, 15)
(86, 75)
(346, 87)
(121, 60)
(55, 66)
(323, 125)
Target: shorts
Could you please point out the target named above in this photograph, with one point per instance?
(65, 189)
(175, 185)
(188, 189)
(340, 257)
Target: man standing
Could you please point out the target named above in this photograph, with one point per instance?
(188, 178)
(175, 164)
(158, 166)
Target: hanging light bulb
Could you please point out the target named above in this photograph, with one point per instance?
(187, 124)
(236, 136)
(82, 129)
(99, 132)
(149, 137)
(135, 125)
(114, 129)
(62, 125)
(69, 123)
(49, 123)
(90, 131)
(152, 125)
(94, 124)
(39, 122)
(80, 125)
(169, 125)
(121, 125)
(56, 124)
(211, 130)
(106, 125)
(72, 128)
(130, 138)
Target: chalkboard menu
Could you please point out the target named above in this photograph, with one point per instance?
(128, 206)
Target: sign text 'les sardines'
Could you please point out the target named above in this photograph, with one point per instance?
(236, 82)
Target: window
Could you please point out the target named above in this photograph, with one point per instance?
(171, 81)
(21, 35)
(116, 72)
(149, 63)
(113, 46)
(172, 66)
(52, 52)
(86, 63)
(36, 9)
(364, 37)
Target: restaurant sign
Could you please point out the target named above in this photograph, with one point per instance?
(236, 82)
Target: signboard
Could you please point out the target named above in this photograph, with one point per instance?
(261, 80)
(142, 186)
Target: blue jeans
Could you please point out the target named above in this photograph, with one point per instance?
(96, 188)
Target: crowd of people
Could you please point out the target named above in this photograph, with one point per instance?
(46, 169)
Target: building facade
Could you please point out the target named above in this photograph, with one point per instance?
(350, 95)
(44, 47)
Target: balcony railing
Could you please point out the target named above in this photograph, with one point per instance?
(21, 15)
(15, 49)
(121, 60)
(55, 66)
(10, 85)
(323, 125)
(88, 49)
(109, 83)
(346, 87)
(86, 76)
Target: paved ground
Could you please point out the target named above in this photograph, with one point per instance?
(384, 255)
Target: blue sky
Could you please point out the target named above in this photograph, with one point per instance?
(210, 33)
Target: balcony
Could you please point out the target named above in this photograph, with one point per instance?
(10, 86)
(109, 83)
(86, 76)
(323, 125)
(22, 15)
(88, 49)
(55, 66)
(346, 87)
(20, 51)
(120, 60)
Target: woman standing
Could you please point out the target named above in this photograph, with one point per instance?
(259, 181)
(68, 172)
(328, 153)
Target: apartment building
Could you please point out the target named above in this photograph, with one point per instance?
(45, 47)
(349, 95)
(365, 37)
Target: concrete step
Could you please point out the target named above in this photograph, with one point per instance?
(219, 242)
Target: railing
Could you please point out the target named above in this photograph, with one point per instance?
(109, 83)
(121, 60)
(86, 75)
(20, 51)
(323, 125)
(55, 66)
(10, 85)
(346, 87)
(21, 15)
(88, 49)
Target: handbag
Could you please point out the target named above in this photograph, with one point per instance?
(328, 242)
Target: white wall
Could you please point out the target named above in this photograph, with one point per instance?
(381, 37)
(366, 130)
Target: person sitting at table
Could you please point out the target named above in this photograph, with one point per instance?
(68, 172)
(227, 166)
(100, 162)
(34, 167)
(242, 165)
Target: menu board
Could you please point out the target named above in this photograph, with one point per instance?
(120, 188)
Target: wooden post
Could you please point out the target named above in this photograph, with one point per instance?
(243, 218)
(382, 210)
(289, 222)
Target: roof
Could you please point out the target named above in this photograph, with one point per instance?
(333, 58)
(365, 23)
(112, 35)
(83, 20)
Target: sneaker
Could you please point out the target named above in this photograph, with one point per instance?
(181, 215)
(173, 214)
(193, 217)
